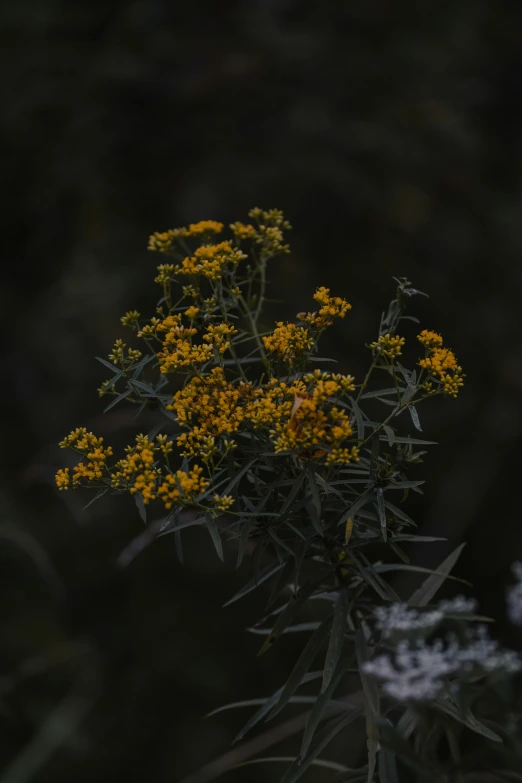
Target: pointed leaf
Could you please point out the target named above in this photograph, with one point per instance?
(335, 646)
(246, 526)
(320, 706)
(302, 665)
(381, 510)
(215, 535)
(427, 590)
(323, 738)
(415, 417)
(254, 582)
(285, 618)
(140, 505)
(269, 703)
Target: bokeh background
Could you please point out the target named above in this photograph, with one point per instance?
(390, 134)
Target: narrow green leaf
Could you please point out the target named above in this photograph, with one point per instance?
(381, 510)
(371, 699)
(244, 533)
(281, 583)
(140, 505)
(387, 766)
(413, 441)
(178, 545)
(380, 393)
(112, 367)
(323, 738)
(361, 501)
(280, 543)
(117, 400)
(285, 618)
(215, 535)
(468, 720)
(383, 568)
(415, 417)
(302, 665)
(296, 486)
(399, 513)
(315, 514)
(320, 705)
(359, 419)
(335, 646)
(427, 590)
(269, 703)
(403, 485)
(390, 432)
(320, 763)
(97, 496)
(237, 478)
(254, 582)
(260, 702)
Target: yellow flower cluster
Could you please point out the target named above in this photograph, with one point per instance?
(331, 307)
(217, 335)
(118, 354)
(209, 260)
(388, 345)
(213, 408)
(289, 342)
(441, 363)
(430, 339)
(223, 502)
(342, 456)
(243, 230)
(327, 385)
(137, 471)
(161, 241)
(269, 233)
(310, 426)
(93, 452)
(131, 319)
(182, 486)
(178, 349)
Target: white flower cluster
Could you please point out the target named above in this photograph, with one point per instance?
(399, 618)
(514, 597)
(418, 672)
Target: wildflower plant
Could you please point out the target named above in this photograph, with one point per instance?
(308, 471)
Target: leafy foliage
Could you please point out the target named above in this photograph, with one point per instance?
(297, 465)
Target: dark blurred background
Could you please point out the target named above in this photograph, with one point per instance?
(390, 134)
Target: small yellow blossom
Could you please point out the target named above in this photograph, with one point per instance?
(182, 486)
(342, 456)
(210, 260)
(441, 363)
(165, 274)
(106, 388)
(388, 345)
(430, 339)
(205, 227)
(223, 502)
(191, 312)
(217, 335)
(243, 230)
(331, 307)
(94, 458)
(131, 318)
(289, 342)
(161, 241)
(118, 354)
(63, 478)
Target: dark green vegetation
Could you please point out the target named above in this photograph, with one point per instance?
(390, 137)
